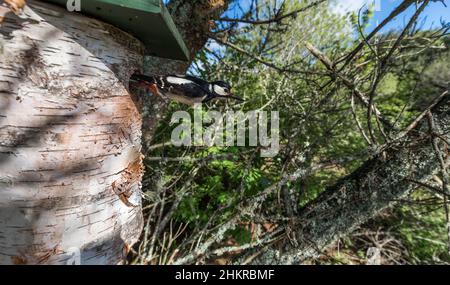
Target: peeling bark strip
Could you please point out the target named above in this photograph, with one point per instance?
(373, 187)
(69, 133)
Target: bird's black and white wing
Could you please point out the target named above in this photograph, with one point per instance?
(182, 88)
(195, 89)
(194, 79)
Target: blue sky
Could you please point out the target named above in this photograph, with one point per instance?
(432, 16)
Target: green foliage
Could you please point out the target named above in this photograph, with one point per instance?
(241, 235)
(318, 127)
(423, 231)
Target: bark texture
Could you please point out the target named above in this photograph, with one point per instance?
(70, 133)
(376, 185)
(70, 139)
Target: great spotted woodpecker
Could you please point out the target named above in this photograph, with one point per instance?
(185, 89)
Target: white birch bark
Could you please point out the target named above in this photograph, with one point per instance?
(70, 139)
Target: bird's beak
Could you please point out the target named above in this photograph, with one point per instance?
(232, 96)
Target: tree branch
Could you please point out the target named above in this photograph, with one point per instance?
(330, 66)
(373, 187)
(276, 19)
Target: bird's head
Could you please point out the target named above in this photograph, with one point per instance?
(223, 90)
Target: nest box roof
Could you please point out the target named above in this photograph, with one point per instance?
(147, 20)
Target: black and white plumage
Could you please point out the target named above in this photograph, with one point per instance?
(185, 89)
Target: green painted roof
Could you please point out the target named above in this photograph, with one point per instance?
(148, 20)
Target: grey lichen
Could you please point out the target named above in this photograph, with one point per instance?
(375, 186)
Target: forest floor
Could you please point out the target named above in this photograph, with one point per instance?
(411, 233)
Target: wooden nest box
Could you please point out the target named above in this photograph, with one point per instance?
(147, 20)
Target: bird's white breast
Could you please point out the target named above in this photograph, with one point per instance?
(185, 100)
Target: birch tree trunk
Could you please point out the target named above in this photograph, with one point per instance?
(70, 132)
(70, 139)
